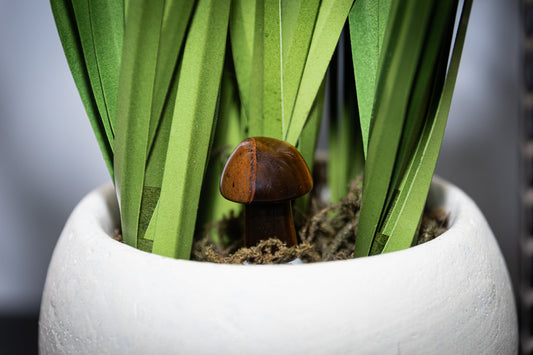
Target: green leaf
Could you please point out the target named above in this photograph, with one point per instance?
(289, 18)
(176, 18)
(429, 76)
(368, 21)
(299, 23)
(82, 11)
(70, 39)
(107, 23)
(309, 138)
(415, 186)
(214, 207)
(242, 30)
(330, 21)
(256, 96)
(273, 118)
(403, 43)
(346, 158)
(155, 168)
(136, 87)
(190, 133)
(175, 21)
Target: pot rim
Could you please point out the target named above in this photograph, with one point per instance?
(99, 290)
(442, 194)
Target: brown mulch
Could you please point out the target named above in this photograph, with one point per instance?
(328, 233)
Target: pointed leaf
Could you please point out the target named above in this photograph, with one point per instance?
(296, 42)
(273, 119)
(82, 13)
(368, 20)
(190, 133)
(214, 207)
(308, 141)
(107, 23)
(70, 39)
(136, 86)
(403, 43)
(155, 168)
(242, 29)
(175, 21)
(256, 94)
(330, 21)
(413, 195)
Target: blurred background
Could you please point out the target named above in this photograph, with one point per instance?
(49, 158)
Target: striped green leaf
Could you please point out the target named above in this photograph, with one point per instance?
(403, 219)
(214, 207)
(404, 40)
(64, 17)
(136, 87)
(83, 14)
(190, 133)
(368, 21)
(242, 30)
(272, 65)
(299, 23)
(175, 21)
(107, 23)
(328, 27)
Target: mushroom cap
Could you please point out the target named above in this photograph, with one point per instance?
(263, 169)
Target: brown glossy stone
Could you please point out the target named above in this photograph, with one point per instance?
(265, 169)
(238, 178)
(266, 174)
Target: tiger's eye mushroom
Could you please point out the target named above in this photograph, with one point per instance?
(265, 174)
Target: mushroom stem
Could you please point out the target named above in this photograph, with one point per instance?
(269, 220)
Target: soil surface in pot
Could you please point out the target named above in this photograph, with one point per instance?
(327, 233)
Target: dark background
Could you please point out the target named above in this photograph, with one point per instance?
(49, 158)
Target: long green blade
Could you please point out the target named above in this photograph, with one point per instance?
(330, 21)
(242, 30)
(273, 115)
(107, 23)
(403, 43)
(63, 12)
(175, 21)
(430, 76)
(406, 213)
(299, 23)
(368, 20)
(289, 18)
(155, 168)
(82, 12)
(346, 160)
(308, 141)
(190, 134)
(214, 207)
(176, 18)
(256, 95)
(136, 88)
(309, 138)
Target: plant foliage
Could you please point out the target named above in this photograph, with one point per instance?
(411, 99)
(171, 86)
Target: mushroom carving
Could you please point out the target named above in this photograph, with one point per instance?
(266, 174)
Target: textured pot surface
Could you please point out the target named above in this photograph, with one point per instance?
(449, 296)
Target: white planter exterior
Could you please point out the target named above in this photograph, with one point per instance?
(449, 296)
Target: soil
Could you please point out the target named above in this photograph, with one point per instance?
(327, 233)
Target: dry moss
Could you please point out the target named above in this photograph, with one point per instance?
(327, 233)
(271, 251)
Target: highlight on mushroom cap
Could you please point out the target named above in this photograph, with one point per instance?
(263, 169)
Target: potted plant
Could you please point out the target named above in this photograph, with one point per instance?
(169, 86)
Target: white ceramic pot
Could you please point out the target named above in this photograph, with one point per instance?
(449, 296)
